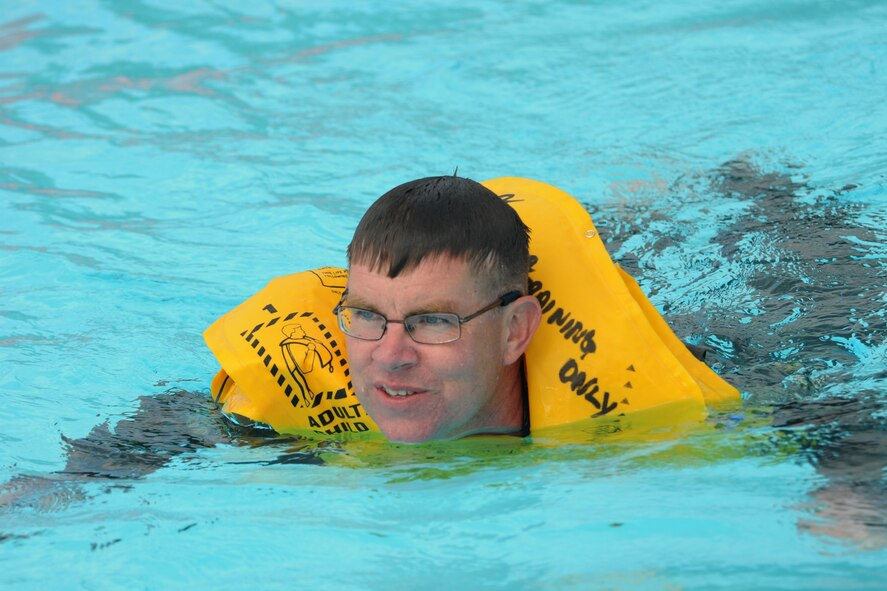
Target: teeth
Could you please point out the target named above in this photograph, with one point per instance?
(397, 392)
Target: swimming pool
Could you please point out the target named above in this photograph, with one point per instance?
(160, 163)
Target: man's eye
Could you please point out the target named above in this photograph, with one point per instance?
(434, 320)
(364, 315)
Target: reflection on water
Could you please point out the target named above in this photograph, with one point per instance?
(789, 296)
(847, 444)
(789, 292)
(175, 423)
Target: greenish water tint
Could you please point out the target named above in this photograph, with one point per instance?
(159, 163)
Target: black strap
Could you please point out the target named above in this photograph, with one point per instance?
(525, 400)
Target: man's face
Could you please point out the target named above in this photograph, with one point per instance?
(420, 392)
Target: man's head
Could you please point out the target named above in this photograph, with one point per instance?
(426, 249)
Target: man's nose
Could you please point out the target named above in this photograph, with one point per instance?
(396, 349)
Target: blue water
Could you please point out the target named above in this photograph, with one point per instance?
(160, 162)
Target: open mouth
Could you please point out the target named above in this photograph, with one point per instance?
(397, 393)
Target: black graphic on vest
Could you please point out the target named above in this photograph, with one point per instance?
(304, 354)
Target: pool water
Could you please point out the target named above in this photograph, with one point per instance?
(161, 161)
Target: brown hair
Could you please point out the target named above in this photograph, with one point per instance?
(444, 216)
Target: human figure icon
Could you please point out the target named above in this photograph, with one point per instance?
(302, 354)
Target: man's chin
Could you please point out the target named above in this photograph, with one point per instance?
(402, 430)
(399, 434)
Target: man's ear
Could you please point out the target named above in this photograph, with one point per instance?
(524, 317)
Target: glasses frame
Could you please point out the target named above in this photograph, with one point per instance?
(499, 302)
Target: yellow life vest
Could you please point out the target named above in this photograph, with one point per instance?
(601, 349)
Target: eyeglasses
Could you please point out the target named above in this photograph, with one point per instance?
(428, 329)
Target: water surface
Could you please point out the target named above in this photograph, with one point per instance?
(159, 163)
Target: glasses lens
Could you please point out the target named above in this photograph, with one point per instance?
(362, 324)
(433, 328)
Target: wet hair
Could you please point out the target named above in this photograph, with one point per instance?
(444, 216)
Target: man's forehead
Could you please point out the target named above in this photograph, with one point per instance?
(441, 279)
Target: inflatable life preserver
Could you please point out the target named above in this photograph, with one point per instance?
(601, 349)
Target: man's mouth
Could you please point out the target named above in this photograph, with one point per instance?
(397, 393)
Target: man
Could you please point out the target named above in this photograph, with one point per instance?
(436, 315)
(441, 301)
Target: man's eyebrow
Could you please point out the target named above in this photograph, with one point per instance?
(357, 302)
(446, 306)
